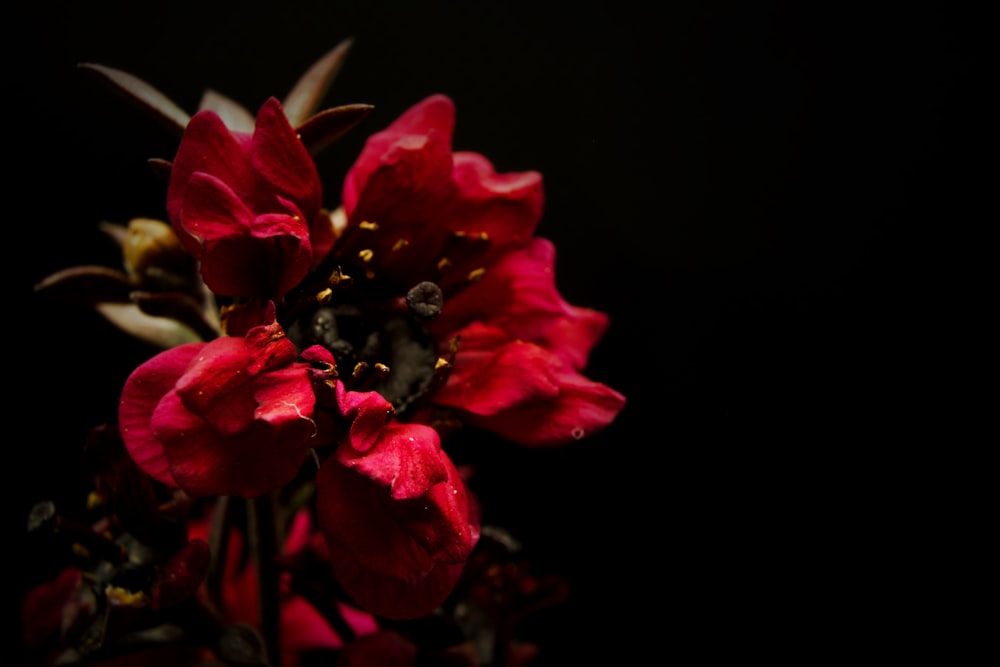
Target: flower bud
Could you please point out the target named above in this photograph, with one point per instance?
(154, 256)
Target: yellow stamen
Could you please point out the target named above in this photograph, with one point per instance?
(338, 277)
(119, 595)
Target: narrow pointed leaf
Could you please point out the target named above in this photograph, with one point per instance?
(331, 124)
(233, 114)
(304, 98)
(116, 231)
(161, 168)
(177, 306)
(87, 285)
(161, 332)
(148, 98)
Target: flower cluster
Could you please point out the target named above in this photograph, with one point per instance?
(327, 353)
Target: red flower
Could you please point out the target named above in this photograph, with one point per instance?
(247, 205)
(228, 417)
(394, 511)
(417, 213)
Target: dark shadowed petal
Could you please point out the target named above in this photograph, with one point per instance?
(42, 608)
(181, 576)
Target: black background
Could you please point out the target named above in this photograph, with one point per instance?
(768, 201)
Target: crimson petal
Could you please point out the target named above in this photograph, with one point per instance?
(396, 551)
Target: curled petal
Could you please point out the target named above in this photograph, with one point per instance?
(368, 413)
(507, 207)
(518, 294)
(526, 394)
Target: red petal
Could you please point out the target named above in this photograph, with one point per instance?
(433, 115)
(143, 390)
(582, 408)
(282, 162)
(409, 183)
(489, 381)
(211, 210)
(407, 458)
(208, 420)
(396, 558)
(525, 393)
(519, 295)
(368, 413)
(505, 206)
(252, 462)
(267, 346)
(243, 254)
(208, 147)
(216, 388)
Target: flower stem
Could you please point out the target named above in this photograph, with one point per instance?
(218, 543)
(264, 546)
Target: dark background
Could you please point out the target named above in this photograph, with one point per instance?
(769, 202)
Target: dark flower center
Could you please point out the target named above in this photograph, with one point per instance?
(379, 344)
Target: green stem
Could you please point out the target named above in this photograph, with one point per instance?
(264, 547)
